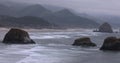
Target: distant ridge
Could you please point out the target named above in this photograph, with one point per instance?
(68, 19)
(25, 22)
(63, 18)
(34, 10)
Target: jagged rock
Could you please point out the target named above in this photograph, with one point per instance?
(17, 36)
(111, 43)
(83, 42)
(105, 27)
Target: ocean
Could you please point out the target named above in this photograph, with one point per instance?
(55, 47)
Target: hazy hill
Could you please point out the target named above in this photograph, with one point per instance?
(64, 18)
(53, 8)
(114, 20)
(67, 19)
(27, 21)
(5, 10)
(34, 10)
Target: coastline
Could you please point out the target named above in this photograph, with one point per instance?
(48, 30)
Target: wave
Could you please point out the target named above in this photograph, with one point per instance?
(58, 35)
(49, 36)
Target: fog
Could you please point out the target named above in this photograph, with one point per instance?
(93, 6)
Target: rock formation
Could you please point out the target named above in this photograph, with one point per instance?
(105, 27)
(111, 43)
(17, 36)
(85, 42)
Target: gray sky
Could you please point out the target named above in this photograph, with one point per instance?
(104, 6)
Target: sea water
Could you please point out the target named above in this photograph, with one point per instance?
(55, 47)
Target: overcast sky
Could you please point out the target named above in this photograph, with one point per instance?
(105, 6)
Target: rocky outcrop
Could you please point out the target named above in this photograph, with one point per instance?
(17, 36)
(85, 42)
(105, 27)
(111, 43)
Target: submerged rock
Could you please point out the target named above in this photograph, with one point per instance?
(111, 43)
(17, 36)
(83, 42)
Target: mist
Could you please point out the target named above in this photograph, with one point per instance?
(88, 6)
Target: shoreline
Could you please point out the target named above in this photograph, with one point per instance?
(49, 30)
(55, 30)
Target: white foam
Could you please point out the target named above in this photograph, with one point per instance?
(57, 45)
(49, 36)
(58, 35)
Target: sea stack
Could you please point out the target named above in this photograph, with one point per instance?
(105, 27)
(84, 42)
(17, 36)
(111, 44)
